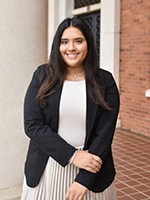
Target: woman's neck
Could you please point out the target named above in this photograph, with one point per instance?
(75, 74)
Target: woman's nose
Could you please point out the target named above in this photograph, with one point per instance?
(71, 46)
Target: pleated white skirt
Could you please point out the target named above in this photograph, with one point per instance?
(55, 182)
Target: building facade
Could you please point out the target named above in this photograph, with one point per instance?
(122, 36)
(134, 67)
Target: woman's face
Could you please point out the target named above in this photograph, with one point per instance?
(73, 47)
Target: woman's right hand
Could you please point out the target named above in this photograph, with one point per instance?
(87, 161)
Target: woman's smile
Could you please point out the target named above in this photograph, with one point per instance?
(72, 56)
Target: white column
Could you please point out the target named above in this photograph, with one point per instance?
(110, 39)
(110, 36)
(23, 38)
(65, 9)
(53, 16)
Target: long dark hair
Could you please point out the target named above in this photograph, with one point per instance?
(54, 74)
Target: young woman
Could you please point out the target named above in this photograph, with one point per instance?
(70, 114)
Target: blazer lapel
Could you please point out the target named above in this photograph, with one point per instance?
(54, 108)
(90, 118)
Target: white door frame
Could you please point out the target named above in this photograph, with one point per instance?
(110, 29)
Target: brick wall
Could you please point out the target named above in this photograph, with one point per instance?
(135, 65)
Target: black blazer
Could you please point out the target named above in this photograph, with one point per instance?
(41, 126)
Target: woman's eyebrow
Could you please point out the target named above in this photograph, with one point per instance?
(64, 38)
(73, 38)
(79, 38)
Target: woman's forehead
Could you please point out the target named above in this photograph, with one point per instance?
(72, 32)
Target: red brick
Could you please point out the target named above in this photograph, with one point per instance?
(135, 65)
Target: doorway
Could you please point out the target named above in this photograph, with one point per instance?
(93, 20)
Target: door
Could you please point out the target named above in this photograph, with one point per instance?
(93, 20)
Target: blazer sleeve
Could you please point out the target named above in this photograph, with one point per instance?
(104, 132)
(39, 132)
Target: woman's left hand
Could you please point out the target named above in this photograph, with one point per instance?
(76, 192)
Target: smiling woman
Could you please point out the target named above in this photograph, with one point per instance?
(73, 49)
(70, 114)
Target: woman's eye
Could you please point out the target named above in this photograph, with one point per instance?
(78, 41)
(64, 42)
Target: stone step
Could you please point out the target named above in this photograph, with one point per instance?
(13, 193)
(17, 198)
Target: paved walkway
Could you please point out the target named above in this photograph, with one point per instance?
(132, 161)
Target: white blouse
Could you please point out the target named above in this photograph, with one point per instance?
(72, 112)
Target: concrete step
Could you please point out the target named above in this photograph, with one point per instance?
(13, 193)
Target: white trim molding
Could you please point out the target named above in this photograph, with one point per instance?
(110, 36)
(110, 39)
(87, 9)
